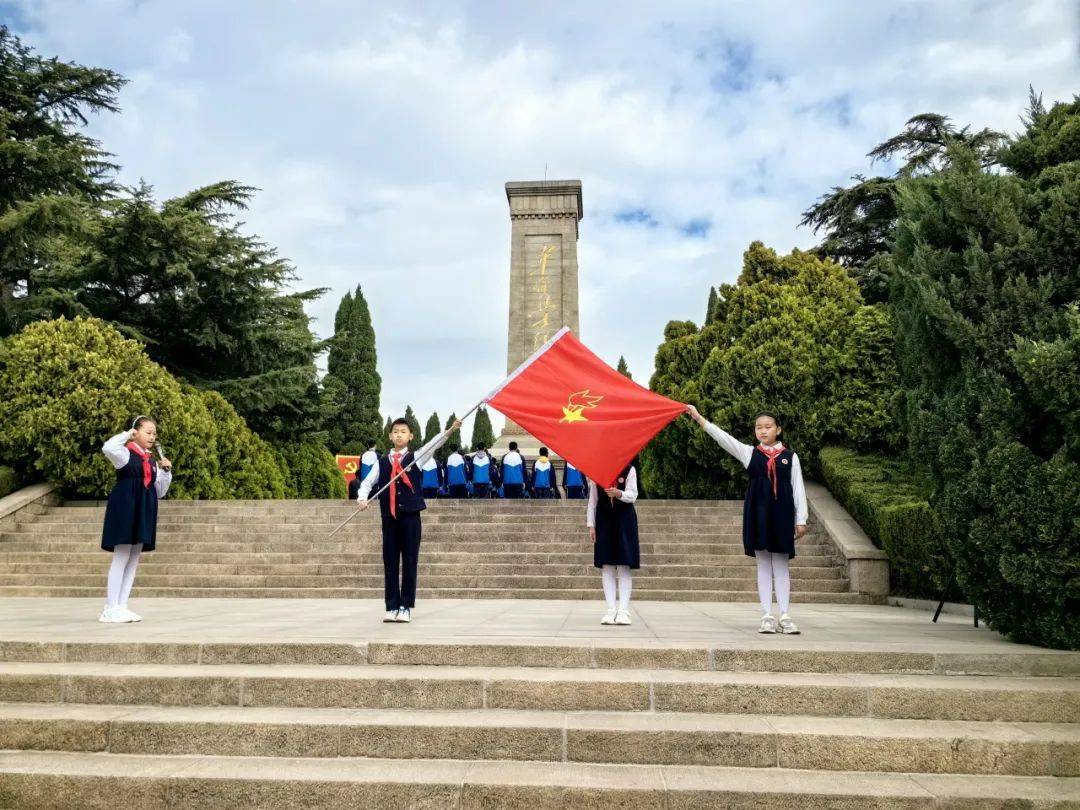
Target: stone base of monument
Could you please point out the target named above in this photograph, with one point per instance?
(250, 703)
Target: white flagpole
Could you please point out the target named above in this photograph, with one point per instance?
(528, 362)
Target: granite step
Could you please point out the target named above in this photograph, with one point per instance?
(445, 687)
(789, 655)
(149, 579)
(647, 738)
(424, 592)
(48, 779)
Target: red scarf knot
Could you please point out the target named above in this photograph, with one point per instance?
(145, 456)
(771, 453)
(395, 469)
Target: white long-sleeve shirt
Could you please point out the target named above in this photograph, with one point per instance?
(744, 452)
(119, 455)
(420, 456)
(629, 495)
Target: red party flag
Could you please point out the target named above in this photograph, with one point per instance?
(582, 408)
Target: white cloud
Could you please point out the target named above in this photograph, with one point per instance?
(380, 139)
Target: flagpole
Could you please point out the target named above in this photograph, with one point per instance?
(528, 362)
(405, 469)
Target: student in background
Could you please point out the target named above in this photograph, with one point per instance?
(542, 480)
(513, 473)
(573, 483)
(457, 478)
(480, 472)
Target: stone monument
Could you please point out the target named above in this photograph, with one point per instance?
(544, 216)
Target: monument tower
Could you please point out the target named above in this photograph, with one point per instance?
(544, 216)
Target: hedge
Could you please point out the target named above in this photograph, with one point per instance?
(67, 385)
(9, 481)
(890, 504)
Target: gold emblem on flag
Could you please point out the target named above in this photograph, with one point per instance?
(577, 403)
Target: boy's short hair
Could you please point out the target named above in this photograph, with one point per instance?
(401, 420)
(480, 447)
(513, 445)
(543, 451)
(454, 448)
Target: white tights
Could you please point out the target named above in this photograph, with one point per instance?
(122, 573)
(769, 567)
(620, 574)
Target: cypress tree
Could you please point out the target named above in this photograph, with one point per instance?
(482, 432)
(623, 369)
(432, 428)
(710, 309)
(352, 379)
(414, 426)
(455, 438)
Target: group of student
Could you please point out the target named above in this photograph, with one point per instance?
(480, 475)
(774, 512)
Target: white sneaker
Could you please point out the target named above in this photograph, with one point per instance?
(609, 617)
(768, 624)
(391, 616)
(132, 616)
(112, 615)
(788, 627)
(622, 617)
(404, 615)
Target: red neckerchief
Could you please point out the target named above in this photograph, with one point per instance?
(771, 453)
(145, 456)
(395, 468)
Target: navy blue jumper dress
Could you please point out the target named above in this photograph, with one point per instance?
(131, 512)
(768, 519)
(616, 530)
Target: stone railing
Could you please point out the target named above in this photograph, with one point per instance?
(867, 565)
(31, 500)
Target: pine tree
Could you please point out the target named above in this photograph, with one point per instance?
(432, 428)
(414, 426)
(352, 382)
(482, 432)
(710, 309)
(623, 369)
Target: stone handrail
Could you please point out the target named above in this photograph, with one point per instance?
(32, 499)
(867, 565)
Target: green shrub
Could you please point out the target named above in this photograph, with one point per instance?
(249, 466)
(887, 500)
(67, 385)
(9, 481)
(312, 471)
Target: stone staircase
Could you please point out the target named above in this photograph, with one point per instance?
(691, 551)
(495, 724)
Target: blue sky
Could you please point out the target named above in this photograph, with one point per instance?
(380, 135)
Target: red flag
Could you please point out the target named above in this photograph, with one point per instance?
(582, 408)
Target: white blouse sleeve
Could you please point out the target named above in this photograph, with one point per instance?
(590, 515)
(743, 452)
(798, 491)
(161, 483)
(115, 451)
(629, 493)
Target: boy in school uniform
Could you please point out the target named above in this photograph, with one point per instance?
(480, 472)
(431, 474)
(400, 505)
(457, 474)
(513, 473)
(573, 483)
(542, 481)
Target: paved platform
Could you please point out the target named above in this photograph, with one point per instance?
(661, 624)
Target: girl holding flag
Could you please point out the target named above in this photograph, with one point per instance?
(131, 514)
(774, 511)
(613, 528)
